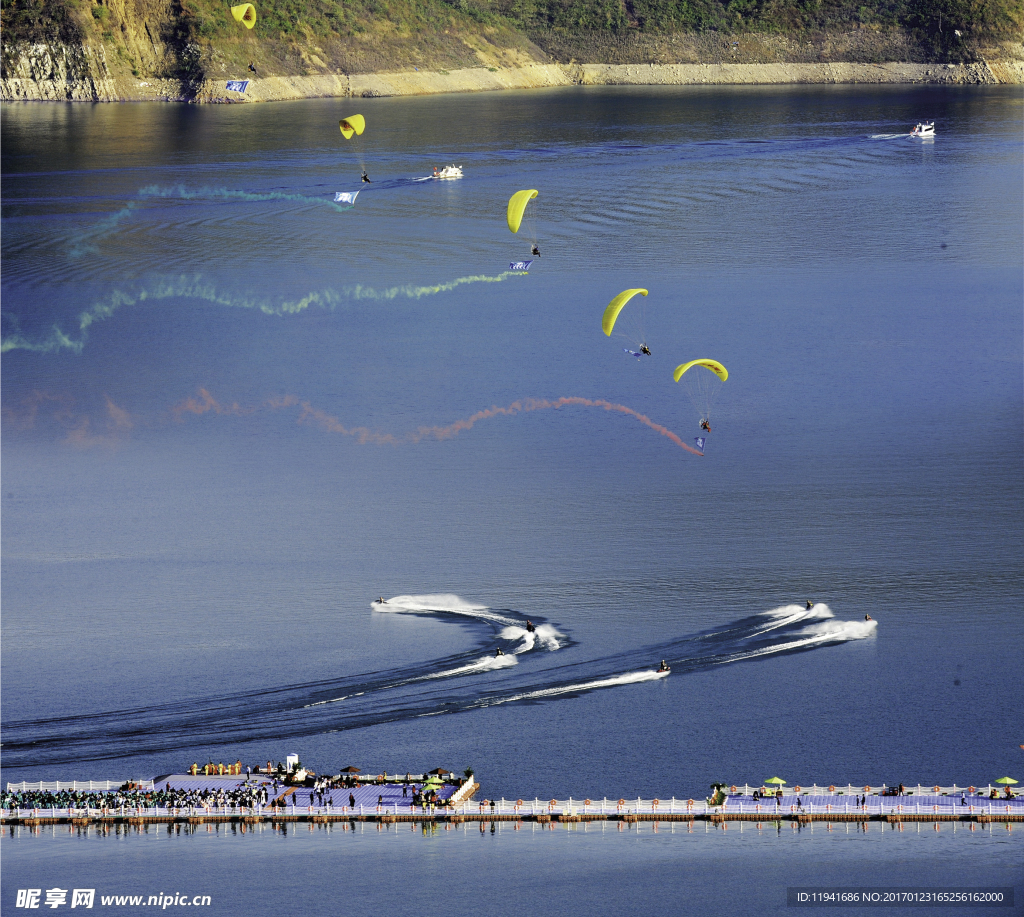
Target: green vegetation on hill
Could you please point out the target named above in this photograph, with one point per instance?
(942, 29)
(992, 18)
(193, 40)
(38, 21)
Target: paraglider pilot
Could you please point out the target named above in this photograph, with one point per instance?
(366, 178)
(535, 251)
(645, 349)
(705, 424)
(252, 68)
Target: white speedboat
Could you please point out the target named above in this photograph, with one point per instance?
(451, 171)
(923, 129)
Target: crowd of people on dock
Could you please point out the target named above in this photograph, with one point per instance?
(276, 787)
(246, 795)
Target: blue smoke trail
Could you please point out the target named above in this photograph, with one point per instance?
(85, 243)
(195, 288)
(180, 192)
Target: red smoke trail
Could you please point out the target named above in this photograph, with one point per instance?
(540, 404)
(313, 415)
(206, 403)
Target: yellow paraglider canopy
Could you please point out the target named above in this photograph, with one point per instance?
(615, 307)
(353, 124)
(244, 13)
(717, 368)
(516, 206)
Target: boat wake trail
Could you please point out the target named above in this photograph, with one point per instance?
(529, 668)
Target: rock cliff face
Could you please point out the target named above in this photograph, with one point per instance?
(62, 73)
(121, 50)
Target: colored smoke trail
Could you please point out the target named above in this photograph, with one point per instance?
(197, 289)
(84, 243)
(363, 435)
(308, 414)
(180, 192)
(411, 291)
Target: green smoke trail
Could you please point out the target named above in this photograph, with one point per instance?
(195, 288)
(180, 192)
(85, 242)
(410, 291)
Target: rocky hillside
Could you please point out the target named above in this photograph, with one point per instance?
(186, 49)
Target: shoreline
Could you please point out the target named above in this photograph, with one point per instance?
(22, 87)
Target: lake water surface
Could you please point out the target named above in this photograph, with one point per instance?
(236, 412)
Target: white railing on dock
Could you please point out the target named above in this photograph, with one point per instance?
(578, 807)
(82, 786)
(768, 809)
(849, 789)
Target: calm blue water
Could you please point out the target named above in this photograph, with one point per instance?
(465, 870)
(236, 413)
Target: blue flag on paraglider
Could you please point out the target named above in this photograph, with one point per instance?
(238, 85)
(700, 440)
(345, 197)
(519, 265)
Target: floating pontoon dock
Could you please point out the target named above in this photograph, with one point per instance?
(389, 802)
